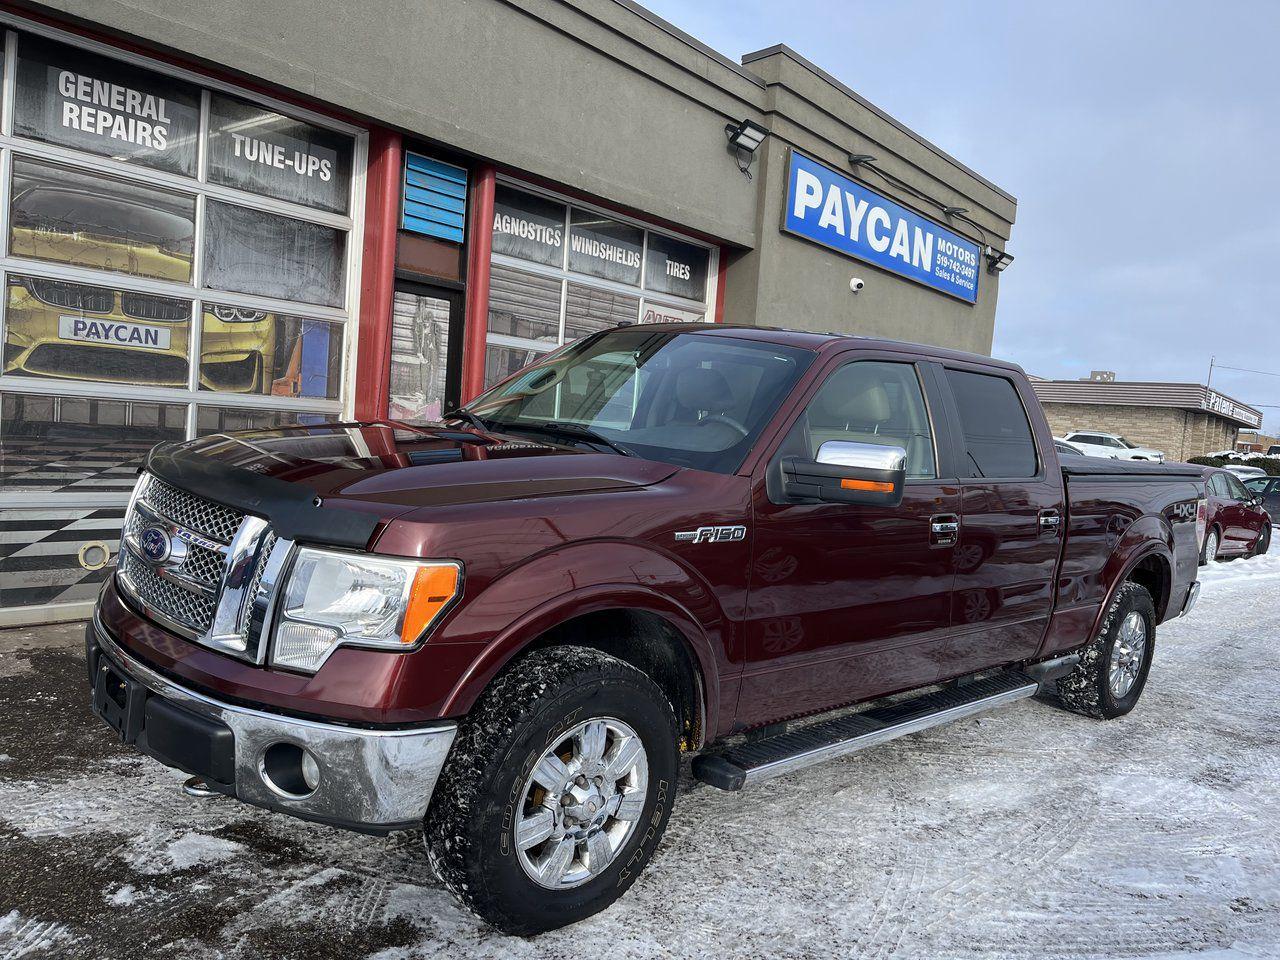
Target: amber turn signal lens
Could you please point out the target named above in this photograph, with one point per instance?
(872, 486)
(433, 588)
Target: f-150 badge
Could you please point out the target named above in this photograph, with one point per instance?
(712, 535)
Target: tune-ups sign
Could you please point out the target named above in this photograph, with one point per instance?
(829, 208)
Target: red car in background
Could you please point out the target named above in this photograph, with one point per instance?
(1237, 524)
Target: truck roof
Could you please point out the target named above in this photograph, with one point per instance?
(816, 341)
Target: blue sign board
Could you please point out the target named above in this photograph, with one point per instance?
(828, 208)
(435, 198)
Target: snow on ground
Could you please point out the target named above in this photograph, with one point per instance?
(1026, 833)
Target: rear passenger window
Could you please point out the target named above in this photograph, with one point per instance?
(997, 434)
(872, 402)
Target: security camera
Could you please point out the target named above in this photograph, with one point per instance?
(856, 284)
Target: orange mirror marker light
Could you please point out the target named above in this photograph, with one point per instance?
(874, 486)
(433, 587)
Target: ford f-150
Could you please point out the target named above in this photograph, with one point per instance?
(762, 547)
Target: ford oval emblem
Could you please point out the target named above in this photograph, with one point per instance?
(155, 545)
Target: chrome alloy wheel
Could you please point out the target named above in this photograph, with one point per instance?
(1211, 546)
(1127, 654)
(581, 803)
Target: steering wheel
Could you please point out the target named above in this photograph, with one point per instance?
(728, 421)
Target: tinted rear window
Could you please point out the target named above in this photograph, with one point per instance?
(997, 434)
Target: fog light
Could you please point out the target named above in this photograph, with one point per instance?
(289, 770)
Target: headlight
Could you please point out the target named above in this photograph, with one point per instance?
(332, 599)
(237, 314)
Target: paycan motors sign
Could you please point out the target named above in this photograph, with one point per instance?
(831, 209)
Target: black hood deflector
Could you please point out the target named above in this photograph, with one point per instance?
(293, 509)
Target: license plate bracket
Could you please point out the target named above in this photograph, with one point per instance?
(119, 700)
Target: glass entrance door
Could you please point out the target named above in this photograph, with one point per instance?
(426, 352)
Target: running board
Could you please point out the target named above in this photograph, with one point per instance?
(750, 763)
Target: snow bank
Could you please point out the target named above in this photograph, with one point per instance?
(1220, 574)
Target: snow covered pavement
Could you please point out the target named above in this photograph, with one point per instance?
(1028, 832)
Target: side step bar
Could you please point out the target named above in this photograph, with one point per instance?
(750, 763)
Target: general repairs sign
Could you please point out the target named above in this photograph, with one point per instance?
(829, 208)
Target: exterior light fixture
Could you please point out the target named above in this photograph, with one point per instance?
(997, 260)
(857, 159)
(744, 139)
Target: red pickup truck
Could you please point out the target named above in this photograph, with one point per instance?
(766, 548)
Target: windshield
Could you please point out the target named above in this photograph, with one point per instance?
(691, 400)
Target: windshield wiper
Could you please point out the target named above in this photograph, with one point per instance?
(466, 416)
(576, 430)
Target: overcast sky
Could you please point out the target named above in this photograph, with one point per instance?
(1142, 141)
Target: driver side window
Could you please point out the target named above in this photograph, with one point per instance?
(873, 402)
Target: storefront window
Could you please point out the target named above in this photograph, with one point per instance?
(82, 219)
(561, 271)
(254, 351)
(80, 331)
(528, 227)
(226, 419)
(526, 306)
(260, 151)
(68, 444)
(588, 309)
(675, 267)
(250, 251)
(74, 98)
(600, 247)
(114, 336)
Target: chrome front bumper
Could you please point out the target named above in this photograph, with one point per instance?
(369, 780)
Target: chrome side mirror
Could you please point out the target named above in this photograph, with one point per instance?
(847, 471)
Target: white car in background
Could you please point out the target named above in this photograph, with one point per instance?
(1111, 445)
(1245, 473)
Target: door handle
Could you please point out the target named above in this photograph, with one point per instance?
(944, 530)
(1050, 521)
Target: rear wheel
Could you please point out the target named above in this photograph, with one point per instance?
(1264, 542)
(556, 792)
(1112, 671)
(1209, 552)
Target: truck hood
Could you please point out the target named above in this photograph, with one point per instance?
(391, 468)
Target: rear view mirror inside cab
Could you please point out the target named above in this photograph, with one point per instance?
(847, 471)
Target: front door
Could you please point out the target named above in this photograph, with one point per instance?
(1012, 519)
(848, 602)
(426, 352)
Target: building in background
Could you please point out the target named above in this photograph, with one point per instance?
(386, 209)
(1182, 419)
(1252, 441)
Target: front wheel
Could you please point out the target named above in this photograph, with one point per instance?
(1113, 668)
(556, 792)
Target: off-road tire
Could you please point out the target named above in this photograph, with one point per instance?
(469, 826)
(1086, 689)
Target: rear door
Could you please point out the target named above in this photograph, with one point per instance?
(1011, 520)
(1246, 520)
(848, 601)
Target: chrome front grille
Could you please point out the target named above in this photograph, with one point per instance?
(194, 611)
(195, 513)
(205, 570)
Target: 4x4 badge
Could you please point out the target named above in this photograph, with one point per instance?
(712, 535)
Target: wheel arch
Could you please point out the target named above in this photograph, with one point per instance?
(638, 625)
